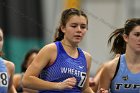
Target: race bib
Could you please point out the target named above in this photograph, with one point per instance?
(3, 79)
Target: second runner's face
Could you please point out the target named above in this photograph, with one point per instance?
(133, 40)
(75, 28)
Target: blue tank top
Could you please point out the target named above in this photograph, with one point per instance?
(125, 81)
(3, 77)
(65, 67)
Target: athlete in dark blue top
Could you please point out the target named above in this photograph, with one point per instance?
(62, 67)
(122, 74)
(65, 67)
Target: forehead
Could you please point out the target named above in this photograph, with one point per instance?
(136, 29)
(77, 19)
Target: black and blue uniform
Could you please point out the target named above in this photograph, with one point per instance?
(125, 81)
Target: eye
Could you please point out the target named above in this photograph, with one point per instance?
(137, 34)
(83, 26)
(74, 26)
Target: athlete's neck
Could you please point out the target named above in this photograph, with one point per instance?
(68, 45)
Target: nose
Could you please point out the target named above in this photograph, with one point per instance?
(79, 29)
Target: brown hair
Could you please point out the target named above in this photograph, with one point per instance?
(26, 58)
(59, 35)
(119, 45)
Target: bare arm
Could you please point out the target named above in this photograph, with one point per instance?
(105, 79)
(97, 76)
(87, 88)
(12, 89)
(30, 79)
(95, 82)
(11, 70)
(108, 74)
(16, 80)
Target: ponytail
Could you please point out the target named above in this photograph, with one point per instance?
(119, 45)
(59, 35)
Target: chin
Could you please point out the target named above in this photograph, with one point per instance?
(138, 51)
(77, 41)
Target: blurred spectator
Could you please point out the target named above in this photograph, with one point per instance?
(31, 54)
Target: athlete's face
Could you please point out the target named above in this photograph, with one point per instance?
(133, 40)
(1, 40)
(75, 29)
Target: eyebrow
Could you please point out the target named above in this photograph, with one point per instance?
(136, 31)
(77, 23)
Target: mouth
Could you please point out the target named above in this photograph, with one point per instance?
(78, 36)
(138, 44)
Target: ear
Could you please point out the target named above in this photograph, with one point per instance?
(63, 29)
(125, 37)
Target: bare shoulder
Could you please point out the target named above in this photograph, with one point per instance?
(88, 59)
(87, 55)
(47, 54)
(110, 66)
(49, 47)
(10, 65)
(111, 63)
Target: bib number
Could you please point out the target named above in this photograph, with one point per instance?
(3, 79)
(83, 79)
